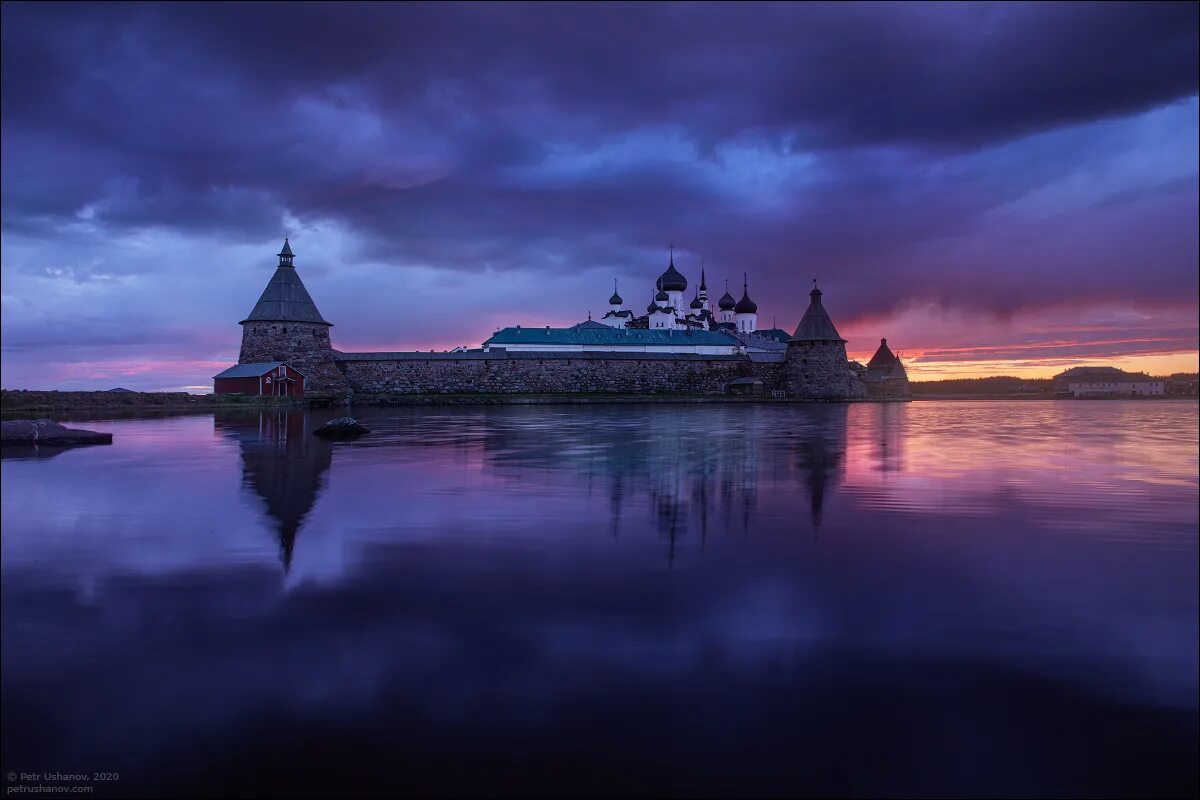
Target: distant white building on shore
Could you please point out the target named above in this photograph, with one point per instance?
(1107, 382)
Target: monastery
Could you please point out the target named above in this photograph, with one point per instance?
(676, 347)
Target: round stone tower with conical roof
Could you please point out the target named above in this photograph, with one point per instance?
(285, 325)
(816, 366)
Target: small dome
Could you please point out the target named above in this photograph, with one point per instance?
(662, 296)
(650, 309)
(615, 300)
(696, 304)
(726, 302)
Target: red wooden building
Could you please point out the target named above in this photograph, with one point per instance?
(274, 378)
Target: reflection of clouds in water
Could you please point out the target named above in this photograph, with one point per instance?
(1085, 468)
(482, 579)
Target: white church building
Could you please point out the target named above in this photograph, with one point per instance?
(670, 310)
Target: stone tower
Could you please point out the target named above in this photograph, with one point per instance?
(286, 326)
(885, 376)
(816, 366)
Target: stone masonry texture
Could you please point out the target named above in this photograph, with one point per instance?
(553, 375)
(820, 371)
(816, 370)
(302, 345)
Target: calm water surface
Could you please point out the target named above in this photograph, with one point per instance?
(933, 598)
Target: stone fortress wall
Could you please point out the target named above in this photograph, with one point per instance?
(501, 372)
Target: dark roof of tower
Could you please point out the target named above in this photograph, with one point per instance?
(703, 281)
(816, 326)
(287, 248)
(671, 280)
(285, 300)
(884, 357)
(615, 300)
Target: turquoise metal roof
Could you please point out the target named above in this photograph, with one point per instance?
(778, 334)
(610, 337)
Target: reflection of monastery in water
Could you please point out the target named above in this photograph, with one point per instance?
(681, 488)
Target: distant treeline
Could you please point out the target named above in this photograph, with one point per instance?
(1008, 385)
(997, 384)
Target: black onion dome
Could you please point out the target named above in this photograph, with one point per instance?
(696, 304)
(745, 305)
(615, 300)
(671, 280)
(662, 296)
(726, 302)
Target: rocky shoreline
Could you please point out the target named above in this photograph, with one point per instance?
(24, 404)
(34, 432)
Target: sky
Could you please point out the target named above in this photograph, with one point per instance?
(996, 188)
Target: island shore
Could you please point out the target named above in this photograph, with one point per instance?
(17, 403)
(22, 403)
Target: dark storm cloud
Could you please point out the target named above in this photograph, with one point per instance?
(893, 150)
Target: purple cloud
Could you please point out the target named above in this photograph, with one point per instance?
(501, 160)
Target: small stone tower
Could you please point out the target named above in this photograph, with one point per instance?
(286, 326)
(885, 375)
(816, 366)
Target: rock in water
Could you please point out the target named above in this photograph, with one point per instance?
(341, 428)
(45, 432)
